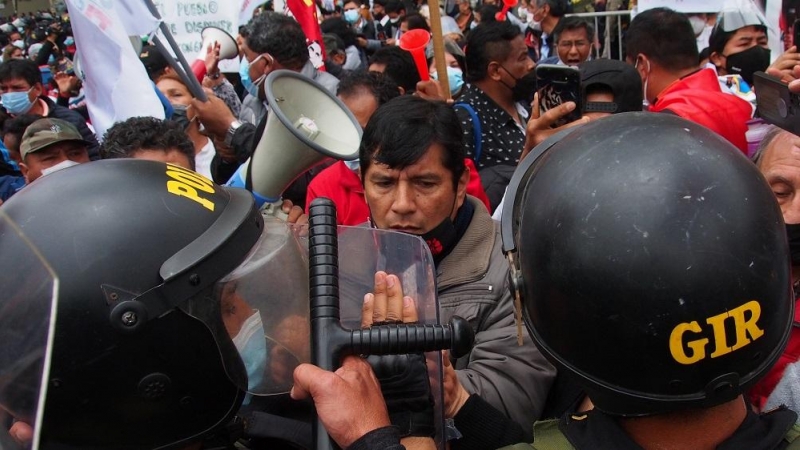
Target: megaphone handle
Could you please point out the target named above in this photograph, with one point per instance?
(457, 336)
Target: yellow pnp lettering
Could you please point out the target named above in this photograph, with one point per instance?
(185, 183)
(745, 324)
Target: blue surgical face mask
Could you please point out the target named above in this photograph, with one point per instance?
(244, 73)
(455, 77)
(69, 41)
(252, 345)
(17, 103)
(351, 15)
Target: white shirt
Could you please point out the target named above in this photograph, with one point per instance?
(202, 159)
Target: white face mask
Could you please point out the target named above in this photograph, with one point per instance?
(62, 165)
(698, 24)
(353, 165)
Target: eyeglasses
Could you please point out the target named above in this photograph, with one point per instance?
(565, 45)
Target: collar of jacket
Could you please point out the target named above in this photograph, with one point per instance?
(470, 259)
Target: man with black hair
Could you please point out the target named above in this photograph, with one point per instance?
(395, 10)
(661, 45)
(548, 13)
(149, 138)
(23, 93)
(398, 65)
(500, 87)
(274, 41)
(415, 181)
(573, 39)
(13, 128)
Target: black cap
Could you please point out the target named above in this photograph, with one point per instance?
(153, 60)
(620, 77)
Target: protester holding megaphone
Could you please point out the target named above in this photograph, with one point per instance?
(273, 42)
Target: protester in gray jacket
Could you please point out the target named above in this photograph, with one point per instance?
(415, 180)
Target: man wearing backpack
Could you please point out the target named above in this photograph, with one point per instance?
(494, 107)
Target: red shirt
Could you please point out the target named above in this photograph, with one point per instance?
(343, 186)
(761, 391)
(698, 97)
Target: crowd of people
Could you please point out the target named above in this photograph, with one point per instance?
(628, 275)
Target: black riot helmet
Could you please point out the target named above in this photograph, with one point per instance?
(140, 355)
(651, 260)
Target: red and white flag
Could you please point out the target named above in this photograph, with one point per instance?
(115, 81)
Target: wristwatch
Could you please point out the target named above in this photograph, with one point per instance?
(231, 131)
(214, 76)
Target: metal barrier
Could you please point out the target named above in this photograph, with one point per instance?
(612, 18)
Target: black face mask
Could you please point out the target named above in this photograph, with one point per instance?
(524, 88)
(793, 234)
(748, 62)
(441, 239)
(179, 116)
(378, 16)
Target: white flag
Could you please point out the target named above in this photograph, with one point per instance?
(247, 10)
(116, 83)
(137, 19)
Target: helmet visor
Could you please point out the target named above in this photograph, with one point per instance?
(27, 312)
(260, 310)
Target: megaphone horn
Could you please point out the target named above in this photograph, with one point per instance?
(305, 124)
(228, 49)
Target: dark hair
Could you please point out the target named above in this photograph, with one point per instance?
(705, 54)
(339, 27)
(487, 13)
(557, 7)
(333, 44)
(280, 36)
(400, 66)
(20, 68)
(488, 42)
(126, 138)
(394, 6)
(572, 24)
(719, 37)
(379, 85)
(16, 126)
(415, 21)
(402, 130)
(664, 36)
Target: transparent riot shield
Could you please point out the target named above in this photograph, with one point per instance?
(268, 295)
(27, 318)
(364, 251)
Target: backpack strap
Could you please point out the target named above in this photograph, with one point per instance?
(477, 135)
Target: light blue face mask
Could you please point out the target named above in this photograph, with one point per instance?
(69, 41)
(351, 15)
(252, 345)
(17, 103)
(244, 74)
(455, 78)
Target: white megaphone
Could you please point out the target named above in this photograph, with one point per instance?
(228, 48)
(305, 124)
